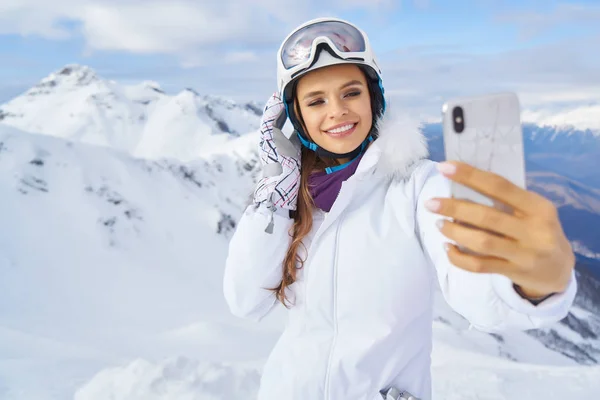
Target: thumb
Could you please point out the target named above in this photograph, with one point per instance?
(272, 169)
(284, 146)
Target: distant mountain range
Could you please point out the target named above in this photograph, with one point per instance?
(74, 103)
(566, 151)
(563, 165)
(155, 148)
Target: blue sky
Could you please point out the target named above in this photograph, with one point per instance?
(429, 49)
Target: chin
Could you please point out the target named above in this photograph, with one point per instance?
(343, 146)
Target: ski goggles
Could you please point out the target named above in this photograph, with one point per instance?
(340, 36)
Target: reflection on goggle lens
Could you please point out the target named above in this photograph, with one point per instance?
(344, 37)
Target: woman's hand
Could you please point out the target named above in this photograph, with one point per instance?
(528, 246)
(280, 159)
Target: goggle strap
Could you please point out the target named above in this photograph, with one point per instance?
(314, 57)
(327, 32)
(382, 95)
(306, 143)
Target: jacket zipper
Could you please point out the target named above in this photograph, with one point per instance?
(335, 326)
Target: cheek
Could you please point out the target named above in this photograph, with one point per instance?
(366, 116)
(312, 120)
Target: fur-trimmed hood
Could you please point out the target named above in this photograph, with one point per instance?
(399, 147)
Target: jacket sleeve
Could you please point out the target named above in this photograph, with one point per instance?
(254, 262)
(488, 301)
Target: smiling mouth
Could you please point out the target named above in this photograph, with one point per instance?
(342, 129)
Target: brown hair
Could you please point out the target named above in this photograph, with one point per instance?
(303, 219)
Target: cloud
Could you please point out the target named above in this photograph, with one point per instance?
(419, 79)
(375, 4)
(27, 17)
(241, 56)
(184, 28)
(233, 42)
(174, 27)
(216, 58)
(535, 23)
(551, 77)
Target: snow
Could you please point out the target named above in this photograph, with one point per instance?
(582, 117)
(179, 378)
(458, 375)
(108, 257)
(582, 249)
(74, 103)
(111, 265)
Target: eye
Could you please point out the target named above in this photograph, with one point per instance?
(353, 93)
(315, 103)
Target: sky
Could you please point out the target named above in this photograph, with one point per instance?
(429, 50)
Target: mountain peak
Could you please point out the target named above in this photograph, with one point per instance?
(71, 75)
(152, 85)
(584, 117)
(192, 91)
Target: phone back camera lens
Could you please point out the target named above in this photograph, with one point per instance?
(458, 119)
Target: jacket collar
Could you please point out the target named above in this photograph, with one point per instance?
(393, 156)
(397, 149)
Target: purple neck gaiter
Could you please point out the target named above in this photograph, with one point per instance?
(324, 188)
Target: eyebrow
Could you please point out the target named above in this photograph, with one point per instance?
(345, 85)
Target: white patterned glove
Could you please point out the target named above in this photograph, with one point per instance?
(280, 158)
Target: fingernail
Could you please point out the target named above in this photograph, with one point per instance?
(447, 247)
(432, 205)
(446, 168)
(439, 223)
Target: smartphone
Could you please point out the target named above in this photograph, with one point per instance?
(485, 132)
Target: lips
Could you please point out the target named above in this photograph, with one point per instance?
(341, 130)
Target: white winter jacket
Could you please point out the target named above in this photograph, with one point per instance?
(362, 315)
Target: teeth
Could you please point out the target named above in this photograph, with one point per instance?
(342, 129)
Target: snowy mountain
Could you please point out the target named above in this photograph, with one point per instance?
(105, 258)
(563, 165)
(567, 151)
(578, 207)
(74, 103)
(112, 272)
(585, 116)
(115, 225)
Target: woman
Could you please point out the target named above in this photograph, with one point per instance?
(352, 239)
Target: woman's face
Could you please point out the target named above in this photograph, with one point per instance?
(336, 107)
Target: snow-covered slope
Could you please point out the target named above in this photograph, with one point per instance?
(103, 256)
(457, 374)
(578, 207)
(581, 117)
(564, 150)
(74, 103)
(111, 256)
(111, 286)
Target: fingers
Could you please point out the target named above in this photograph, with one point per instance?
(480, 216)
(477, 263)
(499, 188)
(273, 116)
(486, 243)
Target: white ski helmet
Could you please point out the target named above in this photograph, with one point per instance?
(319, 43)
(347, 44)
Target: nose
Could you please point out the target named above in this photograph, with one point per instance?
(337, 108)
